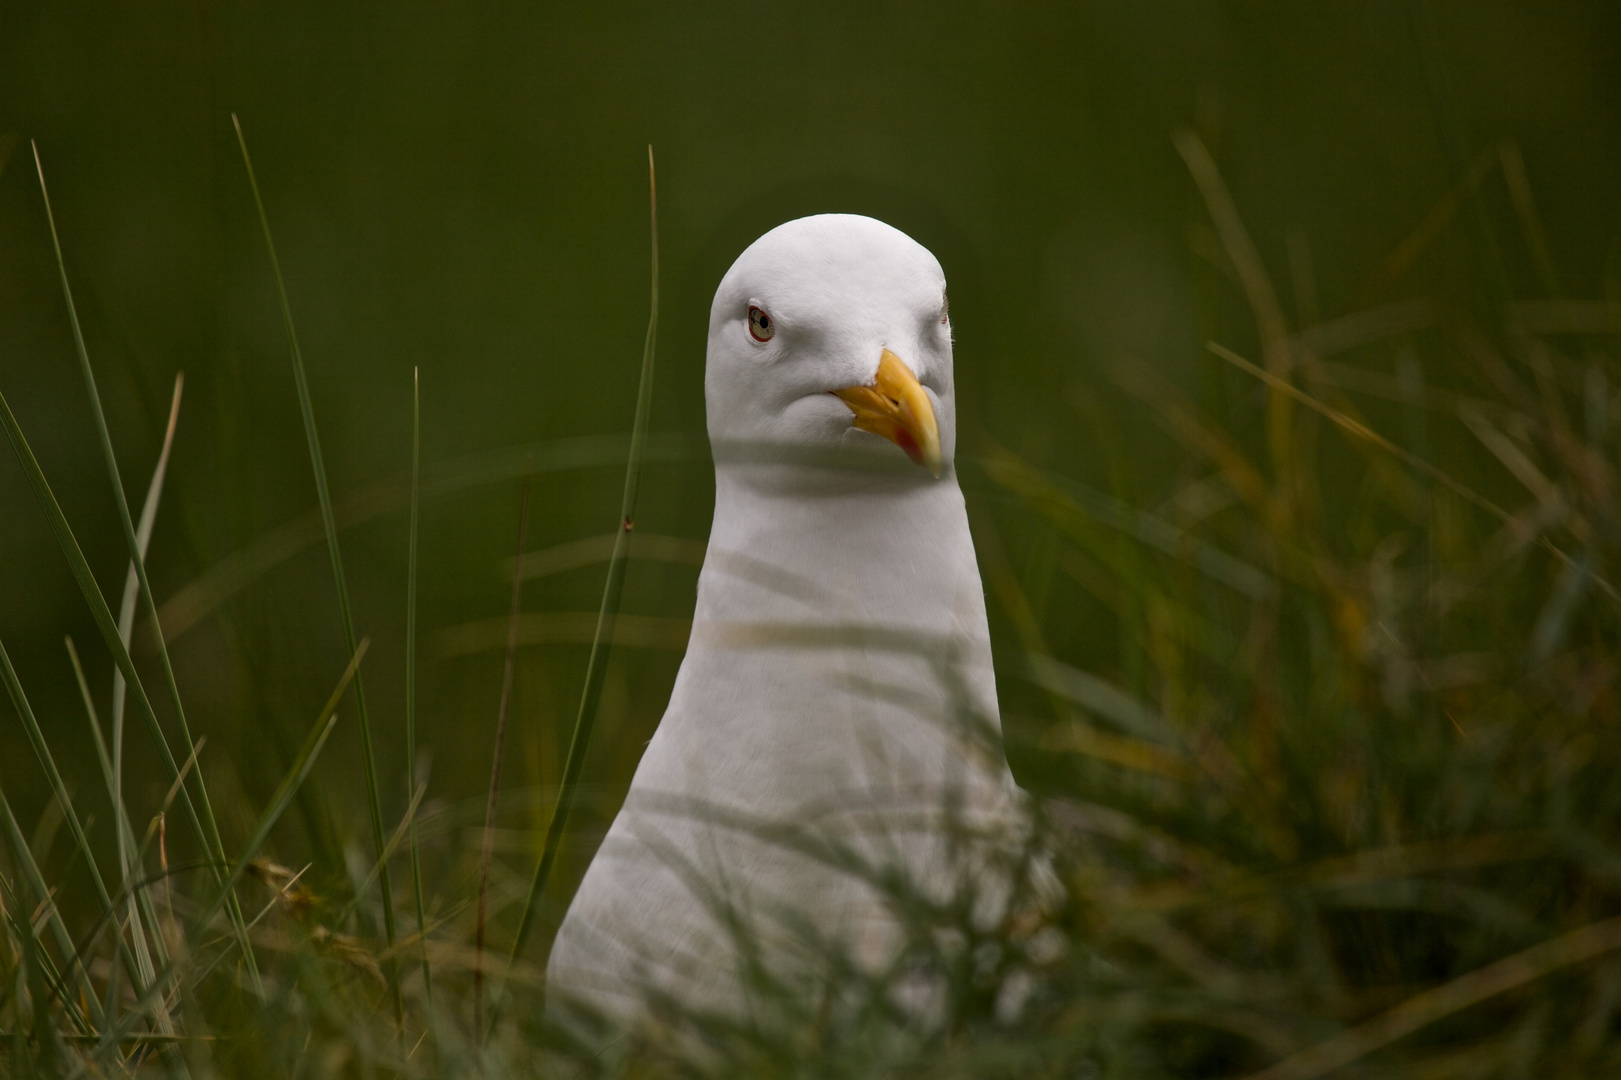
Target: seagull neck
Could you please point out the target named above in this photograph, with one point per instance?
(829, 504)
(902, 547)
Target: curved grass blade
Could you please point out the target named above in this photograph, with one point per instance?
(411, 669)
(597, 666)
(211, 839)
(318, 464)
(140, 911)
(126, 608)
(487, 846)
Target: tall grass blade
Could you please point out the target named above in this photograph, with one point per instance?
(487, 849)
(126, 609)
(70, 813)
(212, 843)
(318, 464)
(411, 669)
(1263, 298)
(1525, 205)
(597, 666)
(140, 912)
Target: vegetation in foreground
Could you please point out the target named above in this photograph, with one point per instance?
(1344, 802)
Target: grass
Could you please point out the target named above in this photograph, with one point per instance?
(1321, 734)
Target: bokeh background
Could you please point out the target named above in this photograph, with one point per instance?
(462, 190)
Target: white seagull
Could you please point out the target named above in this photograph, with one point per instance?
(838, 642)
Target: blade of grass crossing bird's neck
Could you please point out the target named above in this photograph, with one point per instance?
(212, 842)
(411, 669)
(132, 585)
(597, 665)
(35, 880)
(291, 782)
(70, 814)
(141, 914)
(318, 464)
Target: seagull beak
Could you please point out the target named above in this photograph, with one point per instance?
(896, 407)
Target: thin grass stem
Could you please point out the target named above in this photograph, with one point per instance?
(487, 848)
(411, 669)
(318, 465)
(597, 666)
(141, 913)
(126, 608)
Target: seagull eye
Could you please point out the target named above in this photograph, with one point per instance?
(760, 325)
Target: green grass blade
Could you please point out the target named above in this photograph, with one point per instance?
(411, 669)
(597, 666)
(487, 847)
(318, 464)
(47, 761)
(126, 607)
(141, 913)
(212, 842)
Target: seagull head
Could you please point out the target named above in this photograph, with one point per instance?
(829, 333)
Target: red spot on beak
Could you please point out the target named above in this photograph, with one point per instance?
(904, 440)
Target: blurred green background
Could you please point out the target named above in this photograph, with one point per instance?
(462, 189)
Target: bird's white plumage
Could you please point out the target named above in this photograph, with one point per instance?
(839, 636)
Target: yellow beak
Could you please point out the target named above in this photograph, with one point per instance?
(896, 407)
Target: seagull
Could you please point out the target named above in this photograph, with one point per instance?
(827, 713)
